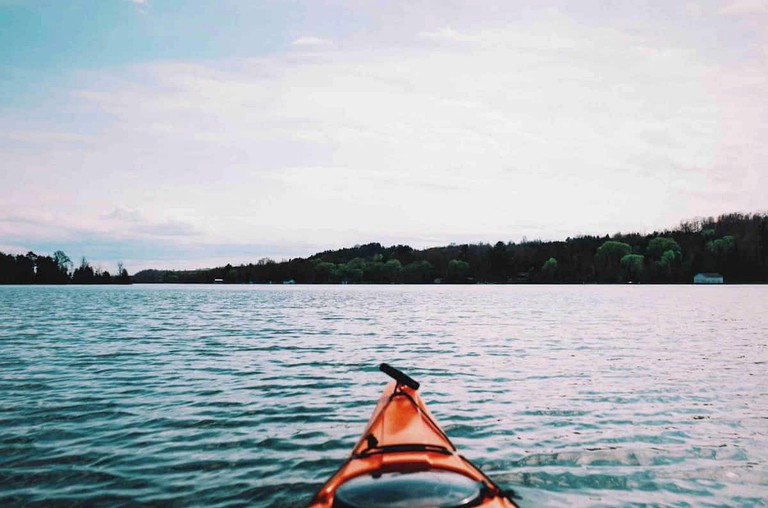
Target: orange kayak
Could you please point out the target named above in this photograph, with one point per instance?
(405, 460)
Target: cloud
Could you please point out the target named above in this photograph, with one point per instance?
(124, 213)
(694, 10)
(446, 34)
(522, 115)
(503, 38)
(745, 7)
(311, 42)
(45, 137)
(142, 6)
(123, 233)
(455, 134)
(122, 223)
(129, 222)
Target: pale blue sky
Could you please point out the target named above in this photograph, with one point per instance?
(189, 134)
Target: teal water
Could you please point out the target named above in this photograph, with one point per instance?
(254, 395)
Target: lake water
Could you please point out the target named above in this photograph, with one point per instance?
(254, 395)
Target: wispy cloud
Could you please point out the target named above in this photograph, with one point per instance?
(43, 137)
(694, 10)
(142, 6)
(311, 42)
(121, 234)
(124, 221)
(455, 133)
(447, 34)
(745, 7)
(525, 107)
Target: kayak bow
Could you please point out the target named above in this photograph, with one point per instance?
(405, 460)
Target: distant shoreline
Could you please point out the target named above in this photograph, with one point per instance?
(6, 284)
(731, 249)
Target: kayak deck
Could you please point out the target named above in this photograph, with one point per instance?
(404, 459)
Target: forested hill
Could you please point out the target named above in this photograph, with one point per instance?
(31, 268)
(734, 245)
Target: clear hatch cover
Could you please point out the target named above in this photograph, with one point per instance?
(421, 489)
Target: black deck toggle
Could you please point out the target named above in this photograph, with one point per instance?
(398, 376)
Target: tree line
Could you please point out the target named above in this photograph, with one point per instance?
(734, 245)
(31, 268)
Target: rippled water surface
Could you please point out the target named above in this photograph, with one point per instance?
(254, 395)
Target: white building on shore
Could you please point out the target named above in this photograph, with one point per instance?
(707, 278)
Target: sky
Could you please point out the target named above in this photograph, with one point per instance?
(176, 134)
